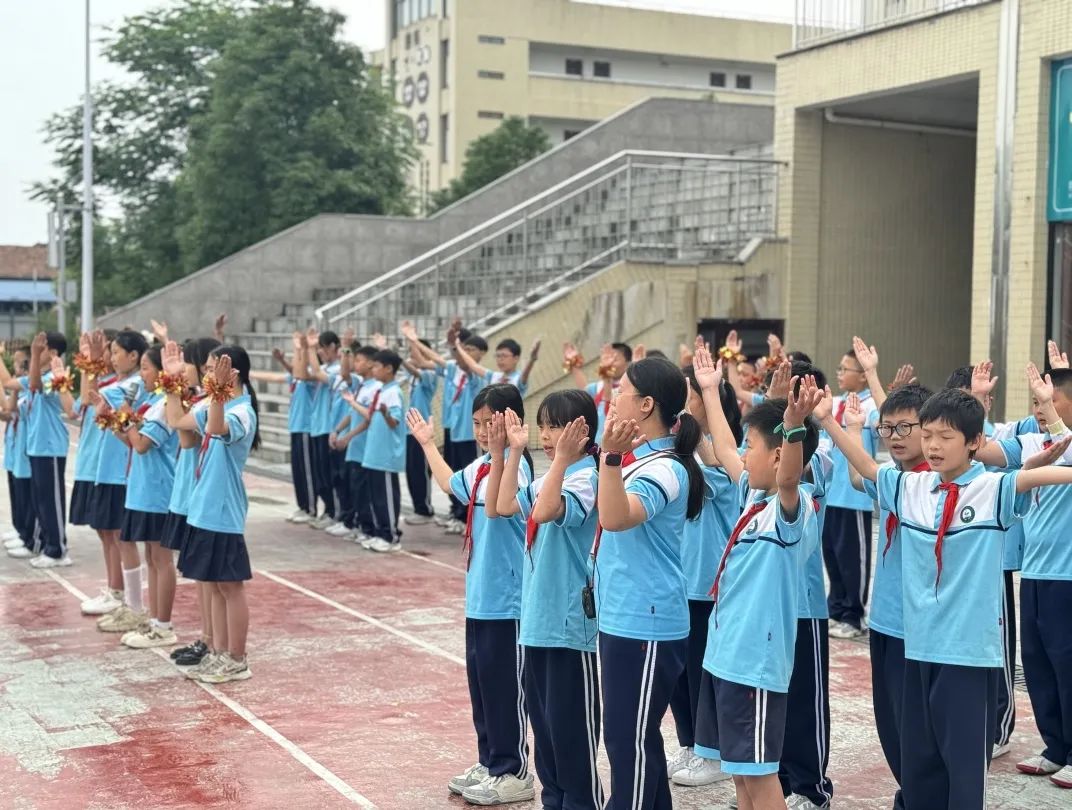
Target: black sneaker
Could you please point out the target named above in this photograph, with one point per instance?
(192, 655)
(184, 650)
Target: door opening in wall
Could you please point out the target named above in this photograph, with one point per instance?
(752, 332)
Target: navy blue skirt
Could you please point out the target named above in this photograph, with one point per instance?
(81, 504)
(175, 530)
(208, 556)
(108, 507)
(142, 527)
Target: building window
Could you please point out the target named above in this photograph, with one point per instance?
(416, 37)
(496, 116)
(444, 133)
(570, 133)
(444, 63)
(574, 67)
(409, 40)
(601, 70)
(490, 74)
(744, 81)
(486, 39)
(718, 79)
(445, 14)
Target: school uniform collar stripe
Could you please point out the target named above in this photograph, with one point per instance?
(974, 471)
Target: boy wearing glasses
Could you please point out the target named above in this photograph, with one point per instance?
(847, 524)
(898, 426)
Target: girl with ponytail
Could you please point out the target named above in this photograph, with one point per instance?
(649, 485)
(558, 637)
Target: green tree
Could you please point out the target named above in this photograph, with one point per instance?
(490, 156)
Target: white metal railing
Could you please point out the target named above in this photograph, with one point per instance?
(819, 21)
(646, 205)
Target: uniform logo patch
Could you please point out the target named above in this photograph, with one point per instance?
(753, 527)
(967, 514)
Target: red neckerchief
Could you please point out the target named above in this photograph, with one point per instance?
(375, 403)
(482, 472)
(627, 459)
(891, 519)
(840, 418)
(460, 386)
(949, 509)
(742, 523)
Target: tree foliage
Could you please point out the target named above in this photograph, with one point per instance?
(239, 119)
(512, 144)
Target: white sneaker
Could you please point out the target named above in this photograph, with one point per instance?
(383, 546)
(51, 562)
(226, 670)
(20, 552)
(121, 620)
(473, 776)
(1037, 766)
(329, 524)
(14, 542)
(299, 516)
(105, 602)
(455, 527)
(366, 542)
(699, 772)
(797, 802)
(8, 536)
(442, 521)
(320, 522)
(1063, 778)
(845, 630)
(679, 760)
(417, 520)
(208, 663)
(338, 530)
(155, 637)
(500, 790)
(1000, 750)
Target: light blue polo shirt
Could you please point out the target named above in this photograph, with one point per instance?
(218, 502)
(9, 443)
(840, 492)
(385, 447)
(493, 581)
(185, 472)
(46, 436)
(299, 413)
(959, 621)
(640, 585)
(752, 631)
(557, 568)
(812, 603)
(20, 460)
(89, 442)
(114, 456)
(324, 394)
(704, 539)
(602, 406)
(459, 390)
(1047, 527)
(1013, 556)
(152, 474)
(422, 391)
(355, 450)
(513, 378)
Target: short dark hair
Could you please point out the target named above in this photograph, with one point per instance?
(464, 334)
(57, 342)
(130, 340)
(1062, 379)
(153, 353)
(800, 369)
(196, 351)
(367, 351)
(905, 398)
(559, 408)
(476, 342)
(328, 338)
(625, 349)
(794, 356)
(355, 345)
(960, 410)
(387, 357)
(960, 378)
(658, 353)
(767, 416)
(511, 346)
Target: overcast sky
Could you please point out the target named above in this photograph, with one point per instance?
(41, 72)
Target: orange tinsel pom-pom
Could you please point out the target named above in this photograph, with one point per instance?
(89, 367)
(171, 384)
(217, 391)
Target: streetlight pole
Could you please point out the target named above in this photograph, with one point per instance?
(87, 196)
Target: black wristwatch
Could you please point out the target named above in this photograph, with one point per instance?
(612, 459)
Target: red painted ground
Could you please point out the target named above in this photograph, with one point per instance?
(358, 695)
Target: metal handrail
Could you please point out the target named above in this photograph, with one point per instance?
(625, 154)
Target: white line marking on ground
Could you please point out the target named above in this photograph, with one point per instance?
(416, 642)
(430, 561)
(264, 728)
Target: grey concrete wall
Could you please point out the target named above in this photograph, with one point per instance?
(344, 251)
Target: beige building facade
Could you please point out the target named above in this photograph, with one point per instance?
(918, 172)
(461, 66)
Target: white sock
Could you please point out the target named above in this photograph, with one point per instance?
(132, 589)
(163, 625)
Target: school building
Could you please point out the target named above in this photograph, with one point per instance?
(927, 193)
(459, 67)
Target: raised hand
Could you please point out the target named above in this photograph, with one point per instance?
(708, 372)
(224, 374)
(606, 355)
(802, 402)
(534, 352)
(774, 346)
(1058, 359)
(906, 375)
(684, 355)
(348, 337)
(982, 383)
(569, 352)
(379, 341)
(160, 330)
(220, 325)
(98, 345)
(1041, 387)
(854, 414)
(278, 355)
(640, 351)
(517, 433)
(172, 359)
(1049, 455)
(409, 331)
(83, 344)
(420, 429)
(733, 342)
(58, 369)
(296, 341)
(620, 435)
(573, 440)
(780, 381)
(826, 405)
(40, 343)
(497, 434)
(866, 355)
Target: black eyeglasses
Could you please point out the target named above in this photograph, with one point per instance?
(902, 429)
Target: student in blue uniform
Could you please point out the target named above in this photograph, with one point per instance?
(561, 681)
(361, 520)
(215, 548)
(152, 476)
(951, 527)
(703, 542)
(324, 365)
(422, 389)
(613, 360)
(299, 423)
(17, 462)
(495, 662)
(385, 451)
(110, 483)
(507, 358)
(757, 589)
(195, 356)
(649, 484)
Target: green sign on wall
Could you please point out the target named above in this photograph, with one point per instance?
(1059, 199)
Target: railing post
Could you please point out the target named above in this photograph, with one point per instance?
(628, 205)
(525, 252)
(436, 297)
(737, 207)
